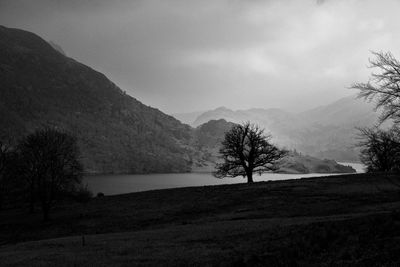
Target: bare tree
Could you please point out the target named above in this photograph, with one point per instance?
(51, 166)
(247, 150)
(9, 184)
(380, 150)
(383, 86)
(4, 151)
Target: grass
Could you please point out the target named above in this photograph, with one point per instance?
(348, 220)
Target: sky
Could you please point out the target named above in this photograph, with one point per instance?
(182, 55)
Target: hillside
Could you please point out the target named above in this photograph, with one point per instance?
(349, 220)
(209, 136)
(187, 118)
(299, 164)
(328, 131)
(347, 111)
(117, 133)
(266, 117)
(207, 141)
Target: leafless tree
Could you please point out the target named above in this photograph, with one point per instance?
(4, 151)
(51, 166)
(380, 149)
(247, 150)
(383, 86)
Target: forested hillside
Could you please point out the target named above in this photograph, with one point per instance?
(40, 86)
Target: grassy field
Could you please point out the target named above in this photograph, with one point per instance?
(348, 220)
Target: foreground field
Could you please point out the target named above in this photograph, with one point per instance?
(334, 221)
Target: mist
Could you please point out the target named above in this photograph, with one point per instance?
(182, 56)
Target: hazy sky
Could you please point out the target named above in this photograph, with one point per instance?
(181, 55)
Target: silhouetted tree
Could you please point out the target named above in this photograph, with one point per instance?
(380, 150)
(384, 86)
(10, 185)
(51, 166)
(4, 154)
(247, 150)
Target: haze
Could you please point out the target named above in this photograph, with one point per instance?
(182, 56)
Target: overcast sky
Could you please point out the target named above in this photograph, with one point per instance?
(181, 55)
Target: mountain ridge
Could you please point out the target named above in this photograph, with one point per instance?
(117, 133)
(327, 131)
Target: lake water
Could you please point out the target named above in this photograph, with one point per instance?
(121, 184)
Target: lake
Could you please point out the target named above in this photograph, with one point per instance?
(120, 184)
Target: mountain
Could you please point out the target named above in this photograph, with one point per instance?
(40, 86)
(187, 118)
(265, 117)
(57, 47)
(209, 136)
(206, 142)
(349, 111)
(274, 121)
(116, 133)
(328, 131)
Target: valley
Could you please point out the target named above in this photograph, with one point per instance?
(116, 132)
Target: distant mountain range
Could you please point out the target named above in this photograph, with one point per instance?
(328, 131)
(210, 135)
(40, 86)
(187, 118)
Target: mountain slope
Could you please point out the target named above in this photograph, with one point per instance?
(345, 111)
(265, 117)
(116, 133)
(187, 118)
(328, 131)
(209, 136)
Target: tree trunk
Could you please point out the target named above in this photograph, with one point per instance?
(250, 177)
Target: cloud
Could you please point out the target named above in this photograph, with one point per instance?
(194, 55)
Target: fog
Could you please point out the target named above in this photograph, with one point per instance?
(182, 56)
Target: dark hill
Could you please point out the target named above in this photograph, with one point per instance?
(210, 134)
(40, 86)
